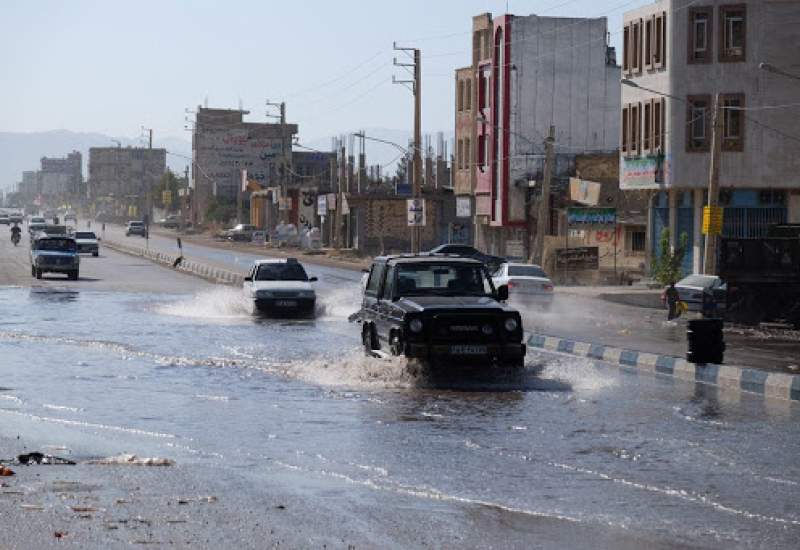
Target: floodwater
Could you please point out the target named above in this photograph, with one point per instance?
(197, 378)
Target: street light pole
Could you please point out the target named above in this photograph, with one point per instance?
(710, 253)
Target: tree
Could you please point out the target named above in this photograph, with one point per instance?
(220, 210)
(668, 265)
(168, 182)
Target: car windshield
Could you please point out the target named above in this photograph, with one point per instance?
(59, 245)
(442, 280)
(135, 224)
(85, 235)
(526, 271)
(703, 281)
(281, 272)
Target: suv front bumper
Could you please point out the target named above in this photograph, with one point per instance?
(456, 352)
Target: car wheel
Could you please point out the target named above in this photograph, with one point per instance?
(33, 271)
(38, 273)
(95, 254)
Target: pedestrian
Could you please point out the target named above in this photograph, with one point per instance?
(673, 301)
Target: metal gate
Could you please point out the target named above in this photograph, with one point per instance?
(751, 223)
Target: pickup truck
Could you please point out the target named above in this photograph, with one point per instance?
(440, 309)
(54, 254)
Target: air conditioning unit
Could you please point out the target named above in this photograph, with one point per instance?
(734, 52)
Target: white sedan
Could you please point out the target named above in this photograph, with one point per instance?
(280, 286)
(526, 282)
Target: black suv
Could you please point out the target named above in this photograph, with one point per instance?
(439, 309)
(466, 251)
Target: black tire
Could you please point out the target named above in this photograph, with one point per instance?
(95, 254)
(38, 273)
(33, 271)
(73, 276)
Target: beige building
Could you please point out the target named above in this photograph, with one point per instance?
(125, 175)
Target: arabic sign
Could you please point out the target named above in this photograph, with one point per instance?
(585, 257)
(584, 191)
(712, 220)
(322, 205)
(416, 212)
(591, 216)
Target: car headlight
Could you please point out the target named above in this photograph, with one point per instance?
(511, 324)
(415, 325)
(487, 330)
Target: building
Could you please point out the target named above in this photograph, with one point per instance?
(122, 178)
(223, 145)
(528, 73)
(29, 186)
(678, 56)
(61, 178)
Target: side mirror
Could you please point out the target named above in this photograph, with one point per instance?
(312, 279)
(365, 270)
(248, 279)
(502, 293)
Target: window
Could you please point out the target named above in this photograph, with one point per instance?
(374, 282)
(660, 41)
(635, 240)
(388, 287)
(636, 129)
(626, 49)
(468, 95)
(733, 37)
(732, 122)
(659, 116)
(697, 123)
(460, 96)
(467, 154)
(482, 152)
(648, 43)
(647, 137)
(636, 49)
(625, 125)
(486, 81)
(460, 155)
(700, 33)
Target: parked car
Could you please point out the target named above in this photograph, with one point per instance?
(441, 310)
(4, 219)
(87, 243)
(135, 228)
(703, 293)
(240, 232)
(525, 281)
(280, 286)
(466, 251)
(170, 222)
(54, 254)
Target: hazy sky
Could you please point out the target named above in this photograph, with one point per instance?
(113, 67)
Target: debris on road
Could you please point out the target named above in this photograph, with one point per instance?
(133, 460)
(6, 472)
(41, 458)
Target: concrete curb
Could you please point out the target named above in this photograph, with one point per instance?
(212, 274)
(772, 385)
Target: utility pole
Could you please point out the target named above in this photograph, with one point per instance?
(544, 203)
(284, 164)
(416, 89)
(710, 254)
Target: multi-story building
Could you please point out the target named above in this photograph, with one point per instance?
(125, 176)
(29, 186)
(679, 55)
(528, 73)
(61, 178)
(223, 145)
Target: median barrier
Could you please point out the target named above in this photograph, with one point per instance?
(773, 385)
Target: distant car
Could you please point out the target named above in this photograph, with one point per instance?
(280, 286)
(4, 219)
(525, 281)
(170, 222)
(703, 293)
(36, 223)
(466, 251)
(15, 217)
(87, 243)
(135, 228)
(240, 232)
(55, 254)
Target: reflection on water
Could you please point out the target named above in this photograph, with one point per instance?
(53, 294)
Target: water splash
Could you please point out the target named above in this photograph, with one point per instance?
(219, 304)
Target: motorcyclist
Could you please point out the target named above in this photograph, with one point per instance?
(15, 233)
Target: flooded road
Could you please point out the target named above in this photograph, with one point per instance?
(193, 376)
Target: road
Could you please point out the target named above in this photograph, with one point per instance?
(303, 440)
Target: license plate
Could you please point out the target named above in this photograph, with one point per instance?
(286, 303)
(468, 350)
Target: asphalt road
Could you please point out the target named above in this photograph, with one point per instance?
(302, 441)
